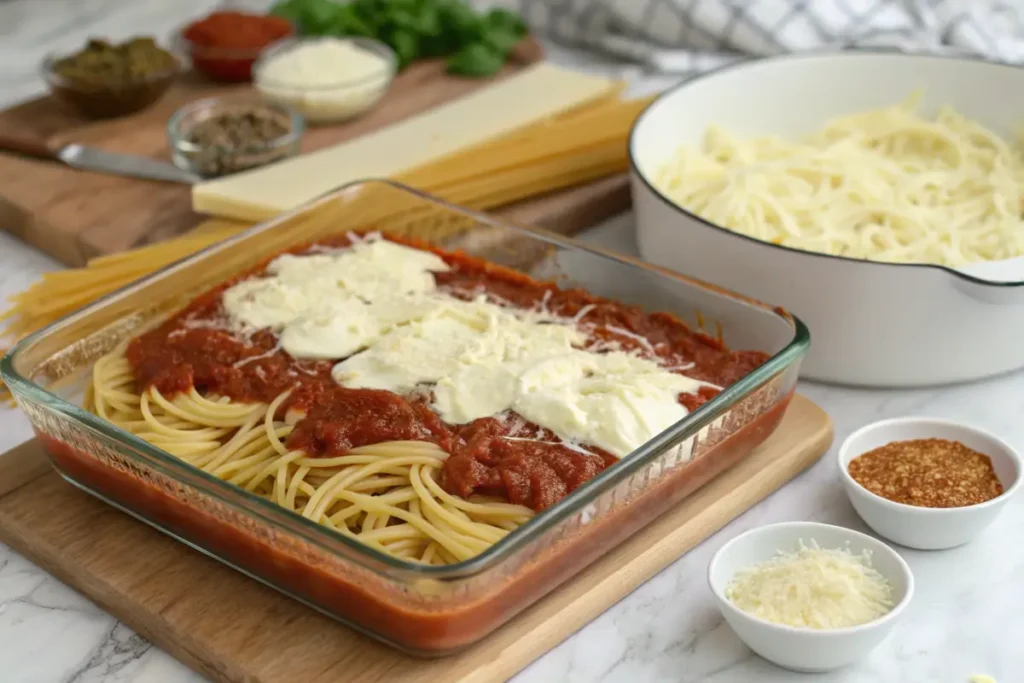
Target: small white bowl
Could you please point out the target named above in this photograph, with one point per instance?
(920, 527)
(803, 649)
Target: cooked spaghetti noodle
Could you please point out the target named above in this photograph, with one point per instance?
(354, 436)
(884, 185)
(386, 495)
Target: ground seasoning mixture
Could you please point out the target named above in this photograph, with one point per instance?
(225, 44)
(233, 141)
(933, 473)
(237, 30)
(244, 128)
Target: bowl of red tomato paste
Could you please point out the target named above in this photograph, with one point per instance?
(224, 45)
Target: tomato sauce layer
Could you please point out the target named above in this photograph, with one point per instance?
(537, 470)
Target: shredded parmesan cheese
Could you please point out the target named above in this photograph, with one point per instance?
(582, 312)
(567, 444)
(813, 588)
(265, 354)
(639, 339)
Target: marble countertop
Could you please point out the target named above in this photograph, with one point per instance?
(965, 619)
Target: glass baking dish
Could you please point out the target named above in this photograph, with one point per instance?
(423, 610)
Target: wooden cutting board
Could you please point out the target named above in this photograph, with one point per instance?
(76, 215)
(232, 629)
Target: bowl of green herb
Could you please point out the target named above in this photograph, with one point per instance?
(106, 79)
(473, 43)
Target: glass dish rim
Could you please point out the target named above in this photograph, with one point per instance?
(324, 538)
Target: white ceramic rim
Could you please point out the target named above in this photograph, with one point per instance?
(829, 53)
(904, 508)
(727, 604)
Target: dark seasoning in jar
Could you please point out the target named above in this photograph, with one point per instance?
(932, 473)
(237, 139)
(106, 79)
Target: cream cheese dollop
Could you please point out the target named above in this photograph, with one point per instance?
(333, 303)
(376, 306)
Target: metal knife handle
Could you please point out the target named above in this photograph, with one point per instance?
(26, 144)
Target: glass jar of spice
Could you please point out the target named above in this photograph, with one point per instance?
(224, 45)
(224, 135)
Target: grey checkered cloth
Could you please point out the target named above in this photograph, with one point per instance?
(680, 36)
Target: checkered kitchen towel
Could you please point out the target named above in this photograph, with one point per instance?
(680, 36)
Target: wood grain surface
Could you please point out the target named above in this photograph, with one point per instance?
(75, 215)
(232, 629)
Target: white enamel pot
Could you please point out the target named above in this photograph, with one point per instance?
(872, 324)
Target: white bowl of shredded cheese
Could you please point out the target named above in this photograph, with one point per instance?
(326, 80)
(810, 597)
(878, 196)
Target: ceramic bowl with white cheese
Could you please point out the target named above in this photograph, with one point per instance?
(770, 581)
